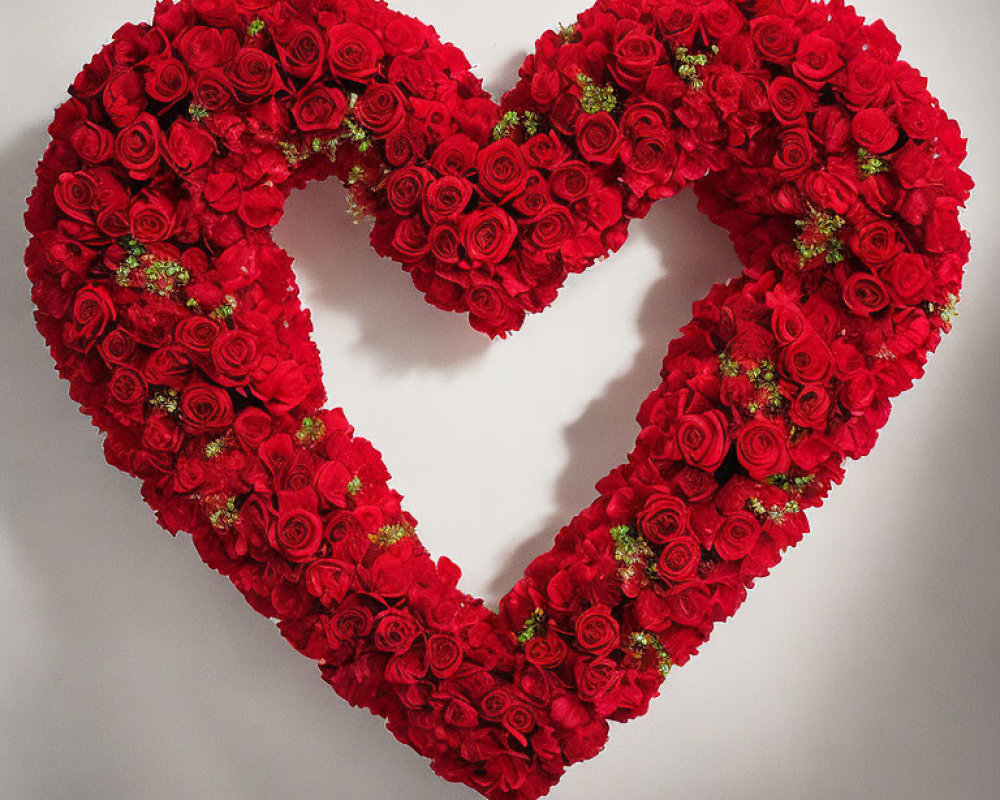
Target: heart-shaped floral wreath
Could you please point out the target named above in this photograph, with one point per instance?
(177, 320)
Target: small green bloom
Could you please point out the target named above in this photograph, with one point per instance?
(197, 112)
(533, 626)
(641, 640)
(256, 27)
(595, 99)
(311, 430)
(388, 535)
(568, 33)
(226, 516)
(869, 165)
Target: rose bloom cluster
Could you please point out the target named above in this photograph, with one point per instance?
(177, 321)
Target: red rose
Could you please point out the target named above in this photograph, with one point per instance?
(832, 127)
(597, 631)
(689, 605)
(488, 234)
(818, 58)
(168, 366)
(351, 621)
(762, 449)
(202, 47)
(677, 22)
(737, 536)
(518, 721)
(161, 434)
(647, 157)
(446, 198)
(598, 138)
(234, 356)
(197, 333)
(664, 517)
(213, 91)
(864, 294)
(444, 655)
(402, 146)
(544, 151)
(297, 534)
(571, 181)
(795, 153)
(596, 679)
(127, 386)
(252, 428)
(206, 409)
(552, 227)
(352, 52)
(410, 239)
(118, 347)
(92, 143)
(187, 147)
(721, 19)
(491, 311)
(319, 107)
(811, 407)
(138, 147)
(455, 156)
(906, 277)
(679, 559)
(124, 97)
(254, 74)
(76, 194)
(634, 57)
(300, 49)
(807, 359)
(789, 100)
(395, 630)
(831, 191)
(381, 108)
(502, 171)
(874, 131)
(495, 703)
(151, 217)
(444, 242)
(405, 189)
(876, 243)
(93, 311)
(329, 580)
(546, 652)
(703, 439)
(774, 37)
(868, 81)
(166, 80)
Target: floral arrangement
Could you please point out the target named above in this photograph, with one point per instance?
(177, 322)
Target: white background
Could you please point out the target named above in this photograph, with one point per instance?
(866, 666)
